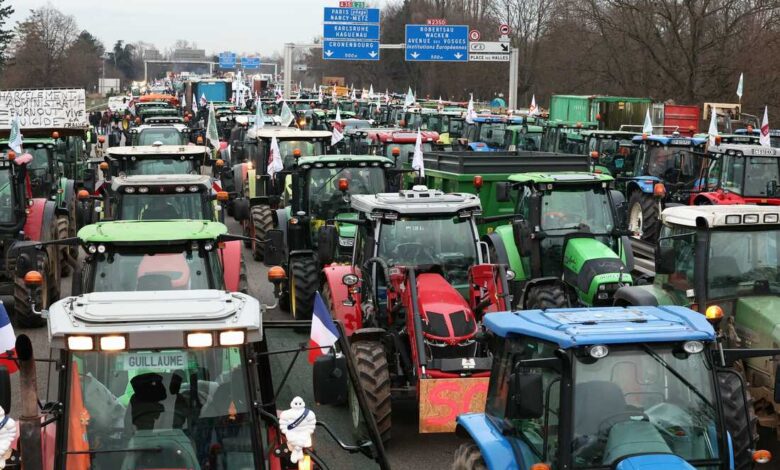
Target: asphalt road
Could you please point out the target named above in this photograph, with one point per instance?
(407, 449)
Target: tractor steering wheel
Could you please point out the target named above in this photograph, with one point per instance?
(417, 253)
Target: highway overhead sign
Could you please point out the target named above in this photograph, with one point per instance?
(350, 50)
(368, 32)
(478, 57)
(352, 15)
(227, 60)
(250, 62)
(437, 43)
(351, 34)
(489, 47)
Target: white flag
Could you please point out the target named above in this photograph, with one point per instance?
(15, 137)
(470, 113)
(320, 97)
(533, 110)
(194, 105)
(276, 158)
(409, 100)
(647, 127)
(203, 100)
(378, 104)
(417, 159)
(212, 135)
(336, 135)
(740, 85)
(764, 139)
(713, 130)
(286, 115)
(440, 105)
(371, 91)
(387, 97)
(352, 95)
(338, 115)
(259, 121)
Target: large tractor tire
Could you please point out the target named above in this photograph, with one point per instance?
(546, 296)
(63, 231)
(262, 220)
(304, 282)
(468, 457)
(643, 216)
(743, 428)
(243, 280)
(374, 376)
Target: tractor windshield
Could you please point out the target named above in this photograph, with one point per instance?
(325, 198)
(449, 242)
(671, 164)
(565, 210)
(406, 151)
(167, 136)
(492, 134)
(743, 262)
(160, 166)
(146, 270)
(41, 155)
(307, 148)
(161, 206)
(747, 176)
(653, 399)
(170, 408)
(6, 197)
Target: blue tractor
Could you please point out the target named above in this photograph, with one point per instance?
(611, 388)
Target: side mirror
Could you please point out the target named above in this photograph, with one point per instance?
(273, 248)
(526, 396)
(664, 256)
(777, 384)
(503, 191)
(523, 231)
(327, 243)
(5, 389)
(329, 378)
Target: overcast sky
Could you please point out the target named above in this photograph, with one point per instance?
(215, 25)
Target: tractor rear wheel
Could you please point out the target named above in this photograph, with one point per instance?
(243, 280)
(643, 216)
(546, 296)
(304, 282)
(63, 229)
(743, 428)
(468, 457)
(262, 219)
(374, 376)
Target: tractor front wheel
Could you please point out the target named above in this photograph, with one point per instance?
(643, 216)
(546, 296)
(374, 376)
(742, 426)
(304, 282)
(468, 457)
(63, 232)
(262, 219)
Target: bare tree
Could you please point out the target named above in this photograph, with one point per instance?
(42, 40)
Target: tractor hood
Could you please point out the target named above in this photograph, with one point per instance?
(589, 264)
(654, 462)
(758, 320)
(347, 230)
(446, 315)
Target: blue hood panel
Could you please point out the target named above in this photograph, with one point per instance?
(654, 462)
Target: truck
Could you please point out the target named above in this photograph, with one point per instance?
(609, 112)
(610, 387)
(213, 89)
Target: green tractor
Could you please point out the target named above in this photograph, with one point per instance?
(723, 260)
(565, 243)
(613, 152)
(321, 191)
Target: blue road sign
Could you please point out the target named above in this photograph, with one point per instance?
(352, 15)
(250, 62)
(437, 43)
(227, 60)
(367, 32)
(350, 50)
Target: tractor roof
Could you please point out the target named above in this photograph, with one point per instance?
(417, 201)
(757, 133)
(733, 138)
(729, 216)
(605, 134)
(137, 231)
(179, 127)
(287, 133)
(530, 129)
(146, 150)
(744, 149)
(572, 327)
(155, 319)
(677, 140)
(32, 140)
(349, 160)
(572, 177)
(161, 180)
(403, 136)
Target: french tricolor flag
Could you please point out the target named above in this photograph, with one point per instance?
(7, 341)
(323, 331)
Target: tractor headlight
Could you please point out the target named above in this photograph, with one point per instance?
(510, 275)
(750, 218)
(598, 351)
(346, 242)
(199, 340)
(349, 280)
(113, 343)
(143, 190)
(770, 218)
(693, 347)
(81, 343)
(231, 338)
(92, 249)
(101, 249)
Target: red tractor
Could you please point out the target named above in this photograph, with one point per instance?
(399, 144)
(412, 301)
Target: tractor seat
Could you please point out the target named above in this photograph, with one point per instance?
(170, 265)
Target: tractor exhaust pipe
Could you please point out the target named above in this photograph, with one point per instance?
(30, 420)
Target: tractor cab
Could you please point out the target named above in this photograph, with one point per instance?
(557, 134)
(774, 135)
(523, 137)
(565, 244)
(154, 109)
(358, 140)
(613, 152)
(157, 159)
(166, 133)
(618, 388)
(448, 123)
(398, 145)
(740, 174)
(486, 133)
(192, 379)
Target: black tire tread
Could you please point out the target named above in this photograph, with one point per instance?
(63, 231)
(650, 216)
(468, 457)
(243, 279)
(546, 296)
(742, 431)
(374, 376)
(262, 219)
(307, 281)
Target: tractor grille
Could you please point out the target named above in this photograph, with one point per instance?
(436, 325)
(461, 325)
(441, 350)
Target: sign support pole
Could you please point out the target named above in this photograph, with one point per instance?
(514, 73)
(287, 70)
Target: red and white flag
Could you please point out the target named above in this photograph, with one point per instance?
(323, 331)
(533, 110)
(764, 139)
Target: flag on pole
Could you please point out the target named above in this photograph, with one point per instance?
(194, 105)
(7, 341)
(533, 110)
(352, 95)
(409, 100)
(279, 96)
(15, 137)
(203, 100)
(323, 331)
(417, 158)
(387, 97)
(470, 113)
(440, 105)
(371, 92)
(320, 97)
(764, 139)
(712, 132)
(211, 128)
(336, 134)
(740, 85)
(275, 159)
(647, 126)
(259, 116)
(286, 115)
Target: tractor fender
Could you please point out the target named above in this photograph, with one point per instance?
(503, 240)
(538, 281)
(628, 253)
(708, 198)
(239, 176)
(643, 183)
(349, 316)
(41, 213)
(496, 450)
(241, 209)
(230, 256)
(368, 334)
(634, 296)
(280, 218)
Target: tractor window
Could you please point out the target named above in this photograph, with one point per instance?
(540, 431)
(492, 134)
(6, 197)
(576, 209)
(288, 147)
(743, 263)
(680, 243)
(161, 207)
(325, 198)
(167, 166)
(530, 141)
(762, 177)
(179, 404)
(125, 271)
(40, 159)
(456, 127)
(672, 164)
(407, 152)
(169, 136)
(634, 399)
